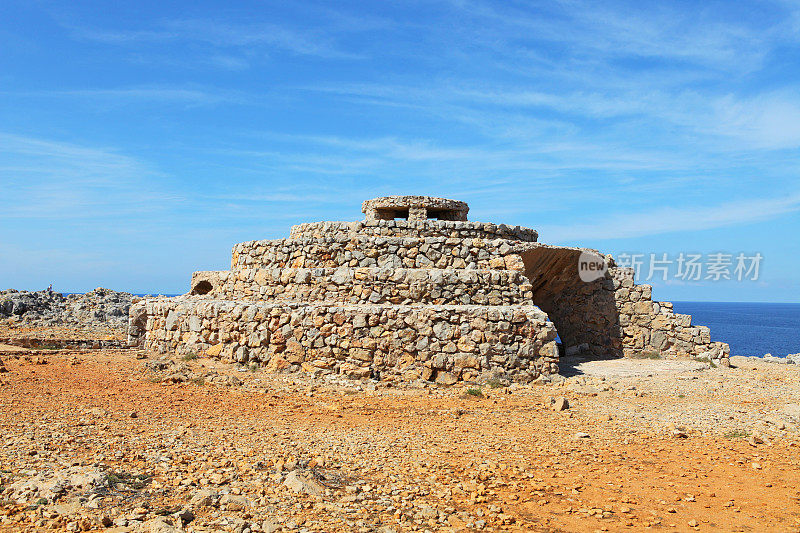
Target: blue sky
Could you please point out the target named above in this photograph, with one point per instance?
(139, 142)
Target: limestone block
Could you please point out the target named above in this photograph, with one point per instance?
(445, 378)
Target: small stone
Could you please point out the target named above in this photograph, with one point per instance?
(582, 435)
(233, 502)
(303, 484)
(203, 498)
(217, 479)
(445, 378)
(557, 404)
(185, 515)
(429, 512)
(159, 525)
(214, 351)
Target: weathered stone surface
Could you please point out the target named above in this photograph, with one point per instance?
(557, 404)
(445, 378)
(301, 483)
(378, 285)
(415, 228)
(98, 307)
(414, 208)
(334, 334)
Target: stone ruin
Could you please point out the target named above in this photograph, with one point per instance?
(415, 291)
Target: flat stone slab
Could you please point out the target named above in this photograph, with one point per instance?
(11, 348)
(624, 367)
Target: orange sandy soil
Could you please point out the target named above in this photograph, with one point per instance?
(396, 458)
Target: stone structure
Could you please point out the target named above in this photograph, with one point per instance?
(415, 291)
(414, 208)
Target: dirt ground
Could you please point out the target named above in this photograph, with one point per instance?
(138, 444)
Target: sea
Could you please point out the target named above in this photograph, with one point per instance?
(752, 329)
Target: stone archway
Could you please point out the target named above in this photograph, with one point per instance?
(585, 314)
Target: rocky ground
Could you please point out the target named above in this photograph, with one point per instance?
(101, 313)
(119, 440)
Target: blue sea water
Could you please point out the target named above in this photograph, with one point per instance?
(749, 328)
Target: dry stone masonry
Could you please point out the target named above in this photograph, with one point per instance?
(414, 291)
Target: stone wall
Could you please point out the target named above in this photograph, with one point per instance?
(653, 327)
(414, 228)
(444, 343)
(370, 285)
(364, 251)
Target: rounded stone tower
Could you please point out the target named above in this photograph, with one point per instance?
(413, 291)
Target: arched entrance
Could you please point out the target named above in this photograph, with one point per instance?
(584, 313)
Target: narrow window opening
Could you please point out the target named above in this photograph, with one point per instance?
(392, 214)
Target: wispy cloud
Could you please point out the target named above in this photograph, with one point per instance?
(651, 118)
(126, 95)
(231, 45)
(50, 179)
(600, 33)
(767, 121)
(669, 220)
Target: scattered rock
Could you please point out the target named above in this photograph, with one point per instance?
(557, 404)
(100, 306)
(203, 498)
(303, 484)
(158, 525)
(233, 502)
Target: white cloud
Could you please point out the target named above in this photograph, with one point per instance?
(598, 33)
(770, 121)
(49, 179)
(669, 220)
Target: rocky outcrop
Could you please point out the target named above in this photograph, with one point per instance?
(47, 308)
